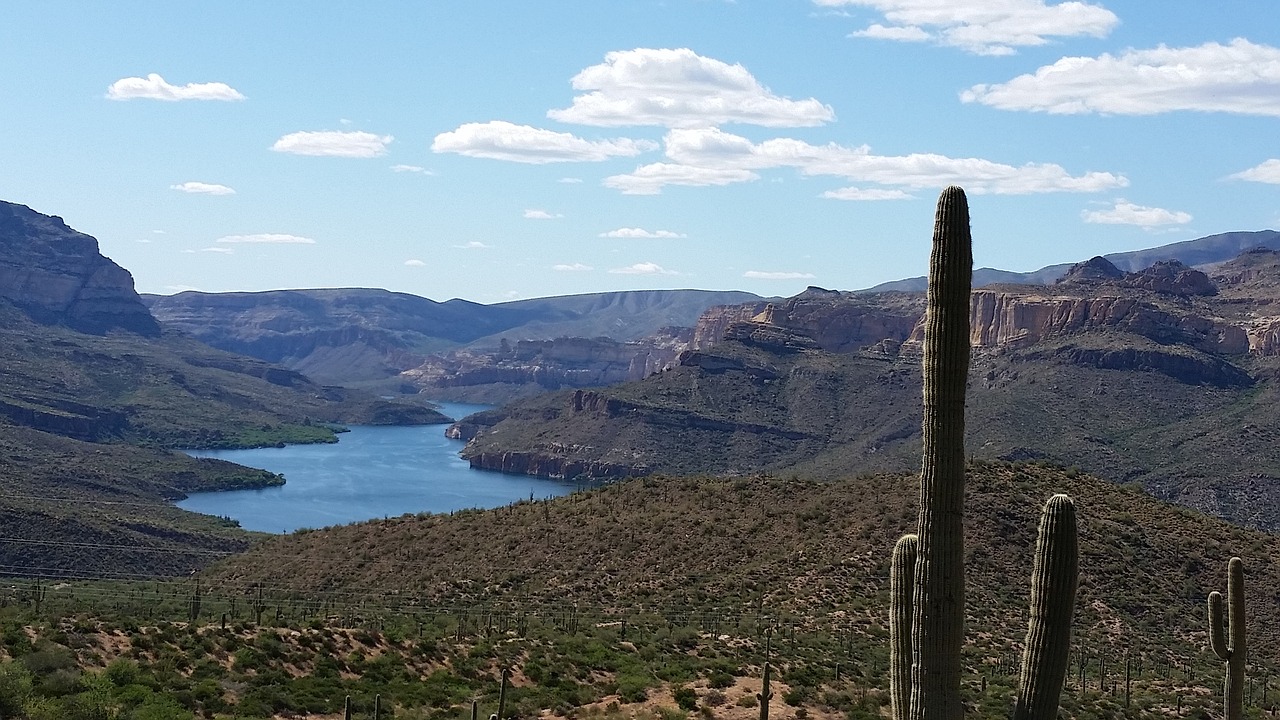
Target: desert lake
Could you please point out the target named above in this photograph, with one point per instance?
(371, 472)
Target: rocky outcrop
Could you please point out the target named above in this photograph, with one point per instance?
(1094, 270)
(713, 323)
(1170, 278)
(552, 466)
(58, 277)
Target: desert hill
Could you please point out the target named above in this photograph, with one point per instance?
(96, 398)
(1164, 377)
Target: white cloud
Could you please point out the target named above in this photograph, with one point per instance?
(414, 262)
(710, 156)
(644, 268)
(473, 245)
(641, 233)
(1239, 77)
(984, 27)
(500, 140)
(334, 143)
(411, 169)
(570, 180)
(763, 275)
(857, 193)
(680, 88)
(1126, 213)
(154, 87)
(541, 215)
(225, 251)
(268, 238)
(1267, 172)
(575, 267)
(200, 188)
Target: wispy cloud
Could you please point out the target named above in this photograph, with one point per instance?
(710, 156)
(1240, 77)
(200, 188)
(643, 268)
(1267, 172)
(570, 180)
(500, 140)
(411, 169)
(1127, 213)
(154, 87)
(415, 263)
(574, 267)
(268, 238)
(641, 233)
(334, 143)
(222, 250)
(473, 245)
(768, 275)
(857, 193)
(541, 215)
(680, 88)
(982, 27)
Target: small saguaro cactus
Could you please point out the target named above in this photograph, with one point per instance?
(502, 693)
(346, 708)
(1236, 652)
(927, 575)
(765, 694)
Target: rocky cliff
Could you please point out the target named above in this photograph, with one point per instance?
(58, 277)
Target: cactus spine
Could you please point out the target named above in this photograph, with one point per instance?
(1236, 652)
(937, 622)
(1054, 577)
(927, 610)
(901, 584)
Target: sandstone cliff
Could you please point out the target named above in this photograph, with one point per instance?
(58, 277)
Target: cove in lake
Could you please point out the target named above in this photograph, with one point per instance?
(371, 472)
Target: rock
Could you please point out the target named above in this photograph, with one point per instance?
(58, 277)
(1171, 278)
(1094, 270)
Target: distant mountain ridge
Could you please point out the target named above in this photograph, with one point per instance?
(345, 336)
(1199, 253)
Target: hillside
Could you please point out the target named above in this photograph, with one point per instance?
(96, 398)
(354, 336)
(814, 551)
(1164, 377)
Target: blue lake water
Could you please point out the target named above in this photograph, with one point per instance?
(371, 472)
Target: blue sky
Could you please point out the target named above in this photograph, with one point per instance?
(499, 150)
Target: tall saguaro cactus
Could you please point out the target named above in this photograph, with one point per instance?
(938, 596)
(1236, 652)
(926, 629)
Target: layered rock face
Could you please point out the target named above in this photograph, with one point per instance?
(58, 277)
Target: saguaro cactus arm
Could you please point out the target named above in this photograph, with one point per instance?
(901, 588)
(1054, 579)
(938, 612)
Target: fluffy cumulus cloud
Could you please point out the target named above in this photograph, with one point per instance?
(984, 27)
(267, 239)
(642, 234)
(334, 143)
(710, 156)
(1267, 172)
(571, 267)
(541, 215)
(680, 88)
(501, 140)
(643, 268)
(1240, 77)
(770, 275)
(200, 188)
(154, 87)
(1126, 213)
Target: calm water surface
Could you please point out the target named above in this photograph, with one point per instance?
(371, 472)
